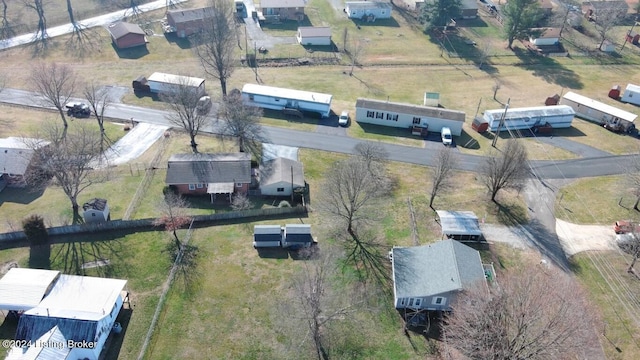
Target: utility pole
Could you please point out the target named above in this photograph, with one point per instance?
(501, 124)
(291, 185)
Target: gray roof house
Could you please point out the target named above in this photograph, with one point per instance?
(221, 173)
(15, 157)
(429, 277)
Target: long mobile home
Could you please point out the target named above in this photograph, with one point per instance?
(169, 83)
(401, 115)
(598, 112)
(558, 116)
(270, 97)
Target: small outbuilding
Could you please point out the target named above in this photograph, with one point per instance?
(368, 11)
(297, 236)
(281, 177)
(312, 35)
(96, 210)
(607, 46)
(633, 37)
(267, 236)
(126, 35)
(459, 225)
(547, 37)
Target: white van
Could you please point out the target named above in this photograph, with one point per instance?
(445, 133)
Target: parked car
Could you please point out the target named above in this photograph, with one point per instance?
(78, 109)
(625, 227)
(343, 120)
(445, 134)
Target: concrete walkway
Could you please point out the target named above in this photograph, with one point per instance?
(86, 23)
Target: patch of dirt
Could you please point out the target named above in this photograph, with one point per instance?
(577, 238)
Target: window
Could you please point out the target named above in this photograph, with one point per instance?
(394, 117)
(280, 190)
(438, 300)
(278, 100)
(238, 185)
(411, 302)
(402, 302)
(388, 116)
(416, 120)
(93, 214)
(192, 187)
(251, 97)
(199, 186)
(379, 115)
(371, 114)
(418, 301)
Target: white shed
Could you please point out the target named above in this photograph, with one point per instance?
(548, 36)
(311, 35)
(459, 225)
(631, 94)
(96, 210)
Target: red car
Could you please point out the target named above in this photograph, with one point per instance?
(626, 226)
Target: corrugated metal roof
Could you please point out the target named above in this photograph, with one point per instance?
(22, 289)
(588, 102)
(417, 110)
(209, 168)
(437, 268)
(220, 188)
(530, 112)
(175, 79)
(287, 93)
(80, 297)
(56, 348)
(459, 222)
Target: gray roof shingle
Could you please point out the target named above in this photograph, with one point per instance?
(122, 28)
(209, 168)
(437, 268)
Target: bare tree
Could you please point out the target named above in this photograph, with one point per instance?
(506, 169)
(55, 83)
(441, 172)
(6, 30)
(241, 202)
(183, 103)
(40, 37)
(356, 53)
(351, 194)
(131, 6)
(215, 44)
(99, 100)
(607, 18)
(534, 313)
(315, 302)
(67, 160)
(242, 122)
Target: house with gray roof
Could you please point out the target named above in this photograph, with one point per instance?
(199, 174)
(429, 277)
(15, 159)
(368, 11)
(281, 177)
(186, 22)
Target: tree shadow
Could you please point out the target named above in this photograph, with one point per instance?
(287, 25)
(21, 195)
(457, 45)
(548, 69)
(76, 254)
(183, 43)
(115, 340)
(390, 22)
(40, 256)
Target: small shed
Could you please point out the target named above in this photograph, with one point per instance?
(368, 11)
(552, 100)
(633, 37)
(312, 35)
(431, 99)
(607, 46)
(548, 36)
(297, 236)
(267, 236)
(459, 225)
(96, 210)
(614, 93)
(126, 35)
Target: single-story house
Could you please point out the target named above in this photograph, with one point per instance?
(126, 35)
(283, 9)
(96, 210)
(368, 10)
(547, 36)
(199, 174)
(429, 277)
(312, 35)
(459, 225)
(187, 22)
(63, 307)
(16, 155)
(280, 177)
(608, 9)
(408, 116)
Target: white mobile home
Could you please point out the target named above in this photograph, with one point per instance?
(406, 116)
(270, 97)
(368, 10)
(558, 116)
(631, 94)
(168, 83)
(596, 111)
(312, 35)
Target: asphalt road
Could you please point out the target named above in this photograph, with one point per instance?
(336, 141)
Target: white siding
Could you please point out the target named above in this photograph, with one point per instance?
(631, 94)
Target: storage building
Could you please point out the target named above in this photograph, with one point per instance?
(297, 236)
(126, 35)
(267, 236)
(312, 35)
(459, 225)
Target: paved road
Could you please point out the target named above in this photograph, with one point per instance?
(337, 141)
